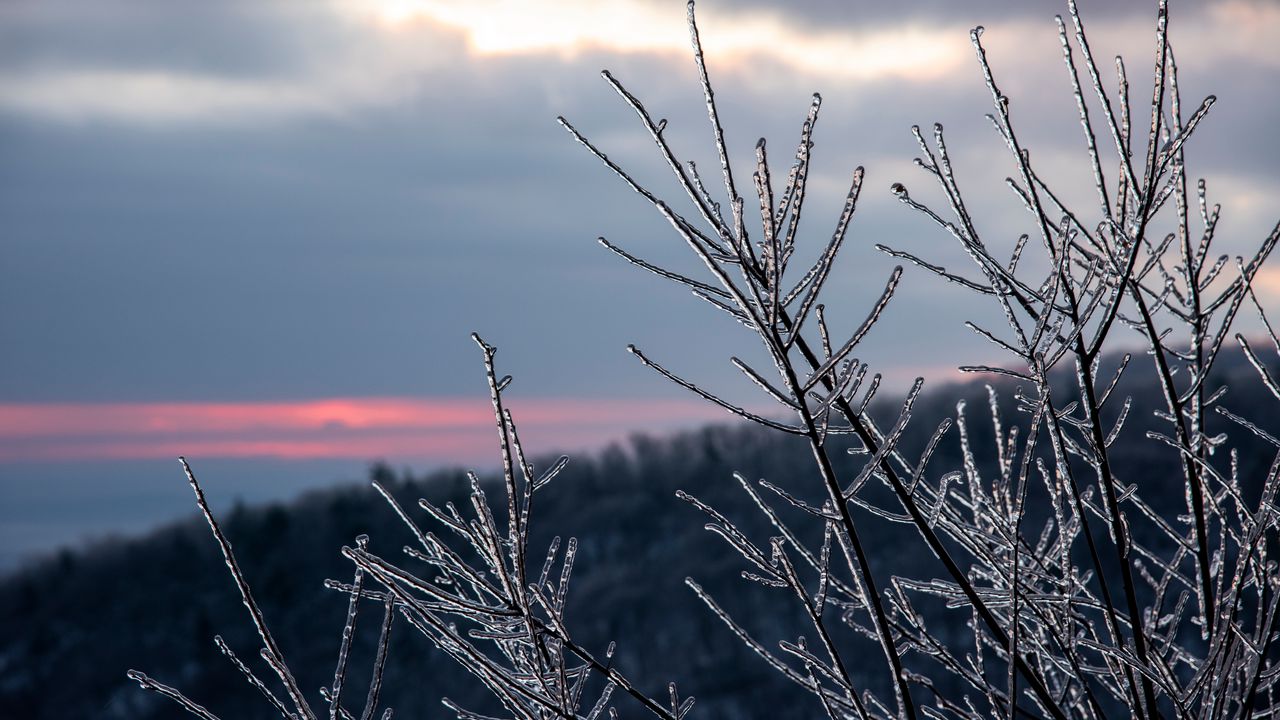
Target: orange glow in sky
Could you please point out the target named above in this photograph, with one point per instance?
(447, 430)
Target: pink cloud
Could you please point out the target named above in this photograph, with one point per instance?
(440, 429)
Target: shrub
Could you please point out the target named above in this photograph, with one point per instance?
(1059, 589)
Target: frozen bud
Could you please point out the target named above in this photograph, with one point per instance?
(899, 190)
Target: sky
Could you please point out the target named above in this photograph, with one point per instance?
(260, 233)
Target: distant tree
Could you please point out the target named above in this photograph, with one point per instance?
(1058, 588)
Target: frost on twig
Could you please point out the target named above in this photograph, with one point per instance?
(493, 608)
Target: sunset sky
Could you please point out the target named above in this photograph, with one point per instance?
(260, 233)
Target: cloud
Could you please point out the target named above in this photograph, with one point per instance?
(571, 27)
(381, 53)
(251, 64)
(154, 97)
(212, 64)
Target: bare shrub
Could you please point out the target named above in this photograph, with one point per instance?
(1061, 589)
